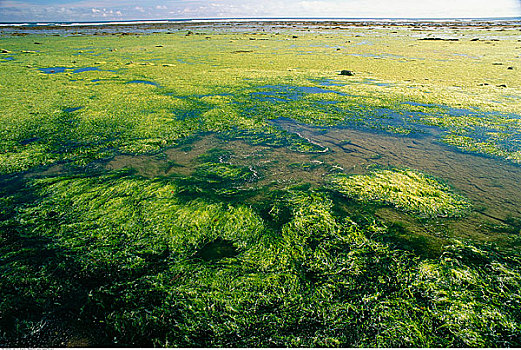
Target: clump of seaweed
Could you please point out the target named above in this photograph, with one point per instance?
(407, 190)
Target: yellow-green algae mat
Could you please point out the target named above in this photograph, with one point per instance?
(212, 249)
(405, 189)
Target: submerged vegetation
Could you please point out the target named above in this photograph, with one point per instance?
(218, 189)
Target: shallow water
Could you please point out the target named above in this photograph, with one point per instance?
(147, 82)
(86, 69)
(53, 70)
(72, 109)
(491, 185)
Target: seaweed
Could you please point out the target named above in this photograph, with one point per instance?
(407, 190)
(222, 253)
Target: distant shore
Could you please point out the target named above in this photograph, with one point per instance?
(251, 24)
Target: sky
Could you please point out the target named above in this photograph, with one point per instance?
(121, 10)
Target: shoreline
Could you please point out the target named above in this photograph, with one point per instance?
(398, 22)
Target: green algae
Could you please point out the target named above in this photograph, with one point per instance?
(152, 269)
(215, 251)
(406, 190)
(224, 84)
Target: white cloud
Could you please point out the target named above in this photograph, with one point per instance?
(90, 10)
(412, 8)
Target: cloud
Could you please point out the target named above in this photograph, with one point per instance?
(92, 10)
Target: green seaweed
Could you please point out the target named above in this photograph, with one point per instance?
(406, 190)
(219, 252)
(149, 269)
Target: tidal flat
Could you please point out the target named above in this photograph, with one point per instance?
(261, 184)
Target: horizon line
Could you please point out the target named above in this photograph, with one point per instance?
(262, 19)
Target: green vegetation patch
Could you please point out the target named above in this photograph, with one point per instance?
(407, 190)
(122, 258)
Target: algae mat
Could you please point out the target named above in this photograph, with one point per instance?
(217, 185)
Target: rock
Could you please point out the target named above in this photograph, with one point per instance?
(475, 39)
(189, 33)
(5, 51)
(510, 68)
(159, 45)
(294, 37)
(502, 85)
(347, 72)
(438, 39)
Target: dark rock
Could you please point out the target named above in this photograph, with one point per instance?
(439, 39)
(502, 85)
(347, 72)
(497, 64)
(189, 33)
(37, 43)
(294, 37)
(159, 45)
(510, 68)
(475, 39)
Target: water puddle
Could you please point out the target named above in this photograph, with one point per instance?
(327, 82)
(369, 81)
(363, 42)
(372, 55)
(86, 69)
(146, 82)
(72, 109)
(53, 70)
